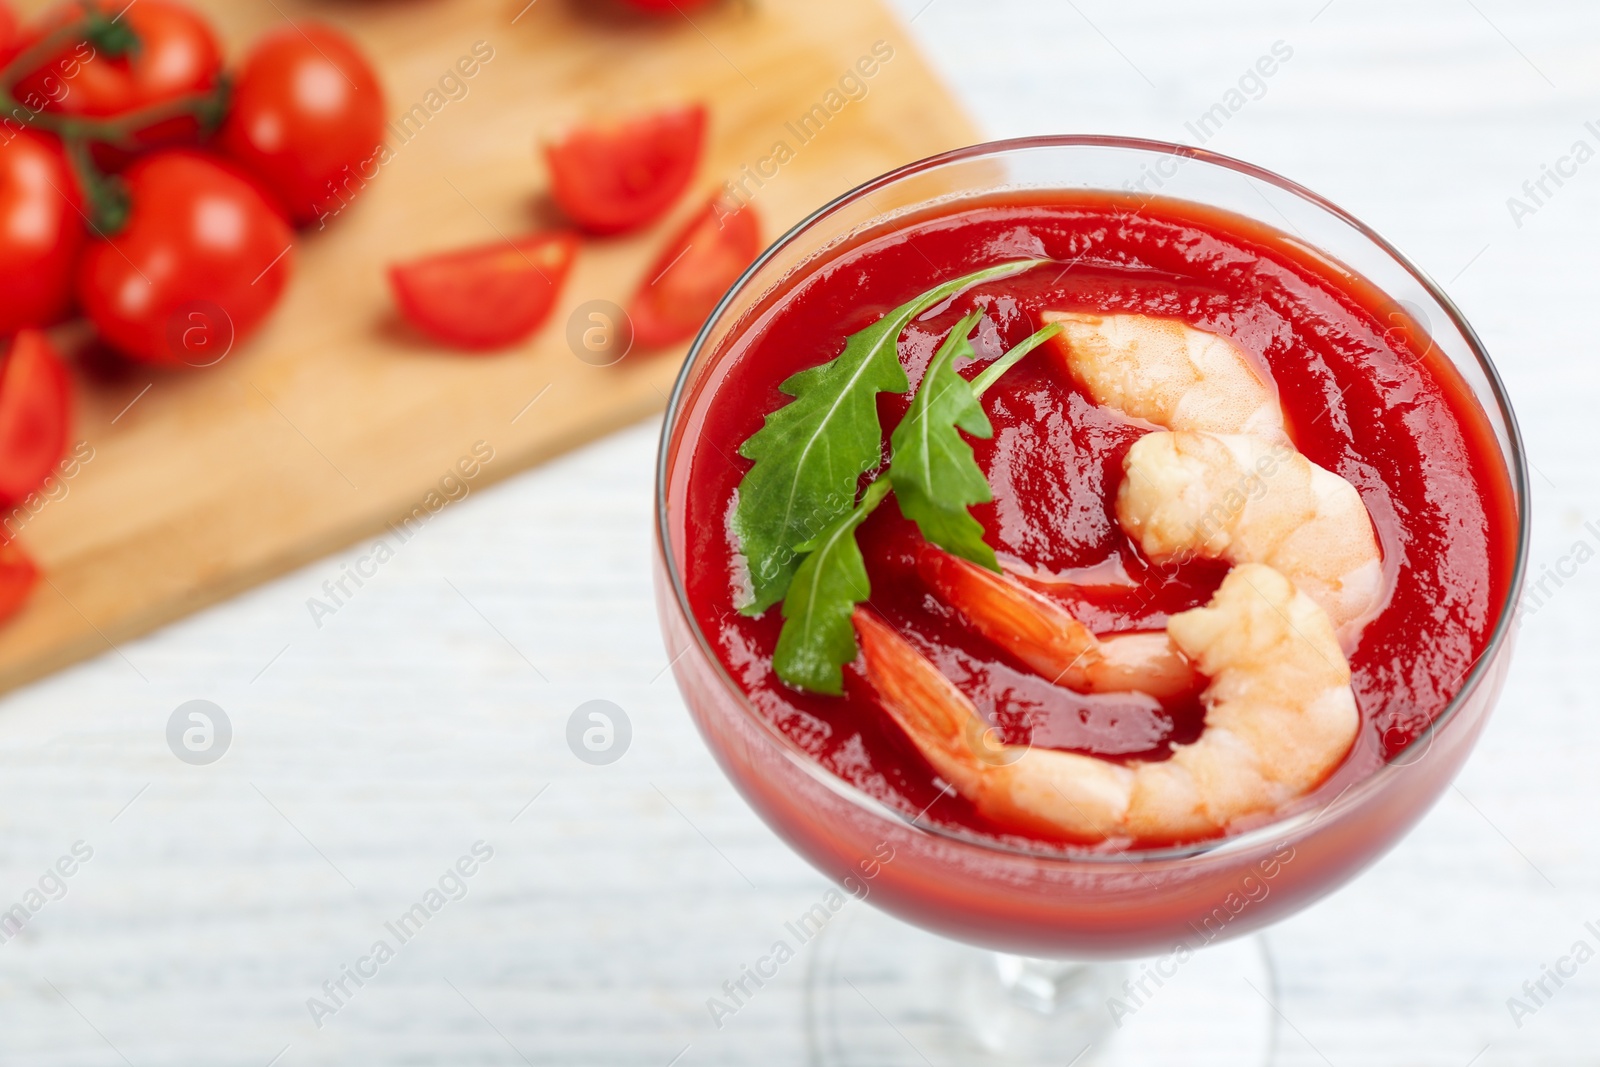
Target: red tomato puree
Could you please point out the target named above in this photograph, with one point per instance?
(1365, 394)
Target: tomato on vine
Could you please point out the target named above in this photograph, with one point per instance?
(307, 120)
(115, 60)
(201, 247)
(41, 230)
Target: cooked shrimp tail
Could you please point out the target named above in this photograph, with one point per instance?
(1045, 636)
(1056, 793)
(1280, 716)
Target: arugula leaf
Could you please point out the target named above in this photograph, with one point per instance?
(811, 452)
(934, 478)
(992, 372)
(934, 475)
(818, 639)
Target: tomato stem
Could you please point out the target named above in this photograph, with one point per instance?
(113, 39)
(109, 35)
(121, 131)
(106, 195)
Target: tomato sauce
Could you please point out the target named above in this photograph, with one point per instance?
(1364, 392)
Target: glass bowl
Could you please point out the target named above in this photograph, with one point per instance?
(1039, 902)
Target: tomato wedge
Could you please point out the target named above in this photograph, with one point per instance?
(17, 577)
(485, 297)
(619, 176)
(685, 283)
(35, 412)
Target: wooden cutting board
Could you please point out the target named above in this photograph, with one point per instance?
(335, 420)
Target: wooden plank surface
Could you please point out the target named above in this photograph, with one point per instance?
(336, 419)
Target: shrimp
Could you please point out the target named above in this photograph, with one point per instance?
(1168, 373)
(1244, 499)
(1280, 716)
(1224, 482)
(1219, 478)
(1047, 638)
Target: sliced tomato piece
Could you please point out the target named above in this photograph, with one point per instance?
(485, 297)
(619, 176)
(35, 413)
(697, 267)
(17, 577)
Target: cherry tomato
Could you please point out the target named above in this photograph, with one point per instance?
(692, 273)
(177, 55)
(201, 261)
(35, 414)
(621, 176)
(17, 578)
(41, 230)
(486, 297)
(307, 120)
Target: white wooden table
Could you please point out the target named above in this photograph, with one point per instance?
(369, 754)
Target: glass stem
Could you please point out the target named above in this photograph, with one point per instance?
(1013, 1003)
(1036, 984)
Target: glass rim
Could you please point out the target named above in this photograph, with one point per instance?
(1278, 829)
